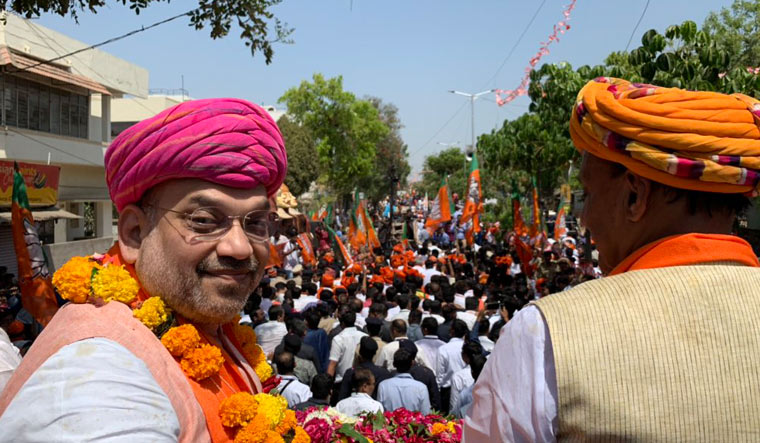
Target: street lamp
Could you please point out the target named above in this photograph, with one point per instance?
(472, 97)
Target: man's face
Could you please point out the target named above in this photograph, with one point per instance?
(603, 209)
(204, 281)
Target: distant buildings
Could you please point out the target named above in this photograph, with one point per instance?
(59, 114)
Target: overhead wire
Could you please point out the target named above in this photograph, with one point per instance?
(504, 62)
(105, 42)
(641, 17)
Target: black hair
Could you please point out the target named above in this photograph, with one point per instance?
(415, 316)
(471, 303)
(429, 326)
(321, 385)
(402, 300)
(458, 328)
(275, 311)
(398, 326)
(362, 376)
(286, 362)
(402, 360)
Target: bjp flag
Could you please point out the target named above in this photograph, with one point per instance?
(441, 210)
(473, 197)
(307, 249)
(37, 294)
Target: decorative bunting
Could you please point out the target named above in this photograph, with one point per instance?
(504, 96)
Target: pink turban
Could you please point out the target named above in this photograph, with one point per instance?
(226, 141)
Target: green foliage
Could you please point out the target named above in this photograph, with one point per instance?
(253, 17)
(713, 58)
(391, 156)
(347, 130)
(447, 163)
(302, 170)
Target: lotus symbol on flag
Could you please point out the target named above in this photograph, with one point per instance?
(472, 191)
(36, 255)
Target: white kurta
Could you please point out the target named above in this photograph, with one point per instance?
(10, 358)
(91, 390)
(515, 397)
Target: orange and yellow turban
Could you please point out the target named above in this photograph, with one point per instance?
(702, 141)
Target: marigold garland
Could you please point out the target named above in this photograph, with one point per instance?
(255, 432)
(152, 313)
(263, 370)
(114, 283)
(237, 409)
(73, 279)
(202, 362)
(439, 428)
(301, 436)
(181, 339)
(288, 422)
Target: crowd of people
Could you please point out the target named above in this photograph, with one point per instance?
(409, 325)
(169, 335)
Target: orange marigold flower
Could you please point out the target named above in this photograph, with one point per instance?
(273, 437)
(244, 334)
(202, 362)
(181, 339)
(73, 279)
(153, 312)
(439, 428)
(288, 422)
(237, 409)
(271, 409)
(301, 436)
(255, 432)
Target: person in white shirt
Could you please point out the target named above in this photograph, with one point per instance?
(10, 358)
(402, 300)
(459, 297)
(293, 390)
(470, 315)
(344, 346)
(360, 401)
(462, 379)
(429, 271)
(270, 334)
(384, 358)
(429, 344)
(449, 360)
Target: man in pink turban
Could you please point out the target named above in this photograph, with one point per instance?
(192, 186)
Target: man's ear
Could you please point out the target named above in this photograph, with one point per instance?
(637, 193)
(134, 226)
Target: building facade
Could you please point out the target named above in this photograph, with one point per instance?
(59, 113)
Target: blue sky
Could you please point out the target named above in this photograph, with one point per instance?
(409, 53)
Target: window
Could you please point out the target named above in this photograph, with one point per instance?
(27, 104)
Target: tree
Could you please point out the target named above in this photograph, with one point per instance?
(391, 154)
(302, 150)
(446, 163)
(252, 16)
(346, 130)
(737, 30)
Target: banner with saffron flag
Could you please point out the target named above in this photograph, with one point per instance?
(474, 196)
(339, 248)
(535, 227)
(518, 224)
(372, 238)
(307, 249)
(441, 210)
(37, 294)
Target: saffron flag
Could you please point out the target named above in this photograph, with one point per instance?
(441, 210)
(536, 212)
(560, 226)
(517, 220)
(526, 255)
(356, 236)
(37, 294)
(275, 255)
(472, 203)
(307, 249)
(339, 247)
(372, 238)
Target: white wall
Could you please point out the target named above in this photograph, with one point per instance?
(116, 74)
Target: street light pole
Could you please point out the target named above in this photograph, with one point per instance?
(472, 98)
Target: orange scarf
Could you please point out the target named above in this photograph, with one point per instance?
(209, 392)
(689, 249)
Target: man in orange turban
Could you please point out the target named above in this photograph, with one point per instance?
(664, 348)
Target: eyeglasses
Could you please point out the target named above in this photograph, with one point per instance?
(211, 224)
